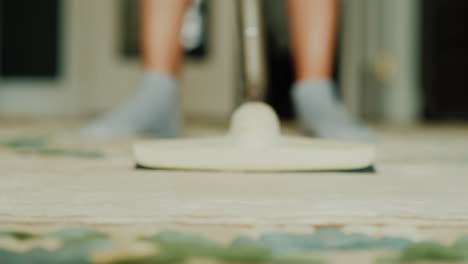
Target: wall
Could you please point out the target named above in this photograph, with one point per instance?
(95, 77)
(380, 71)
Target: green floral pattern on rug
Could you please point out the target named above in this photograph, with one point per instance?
(39, 146)
(78, 244)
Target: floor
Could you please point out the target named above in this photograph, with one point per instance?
(50, 179)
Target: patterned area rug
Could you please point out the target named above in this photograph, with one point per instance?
(67, 200)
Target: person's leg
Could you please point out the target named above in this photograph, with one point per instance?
(313, 32)
(154, 108)
(161, 22)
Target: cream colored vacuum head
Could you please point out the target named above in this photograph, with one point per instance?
(254, 143)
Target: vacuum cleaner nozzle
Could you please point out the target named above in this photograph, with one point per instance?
(254, 143)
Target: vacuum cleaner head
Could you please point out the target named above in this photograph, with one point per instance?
(254, 143)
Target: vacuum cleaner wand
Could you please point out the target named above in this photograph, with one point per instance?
(253, 49)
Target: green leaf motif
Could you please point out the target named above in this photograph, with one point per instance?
(77, 246)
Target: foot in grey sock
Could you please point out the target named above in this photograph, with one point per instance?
(152, 110)
(320, 113)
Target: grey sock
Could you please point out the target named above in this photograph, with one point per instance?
(152, 110)
(320, 113)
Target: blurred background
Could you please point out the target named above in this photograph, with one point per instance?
(399, 61)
